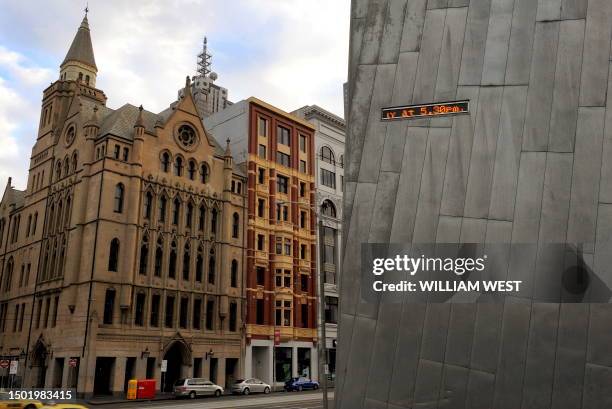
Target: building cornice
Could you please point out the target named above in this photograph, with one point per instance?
(311, 111)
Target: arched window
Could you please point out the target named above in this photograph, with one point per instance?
(62, 254)
(213, 222)
(50, 219)
(165, 162)
(176, 211)
(58, 170)
(186, 262)
(234, 274)
(67, 214)
(161, 211)
(178, 166)
(113, 255)
(52, 262)
(204, 173)
(328, 209)
(58, 220)
(87, 79)
(211, 270)
(10, 265)
(172, 261)
(74, 162)
(191, 170)
(199, 265)
(144, 255)
(33, 224)
(327, 155)
(119, 193)
(202, 218)
(80, 76)
(43, 267)
(235, 225)
(29, 225)
(189, 215)
(148, 203)
(109, 306)
(159, 256)
(66, 167)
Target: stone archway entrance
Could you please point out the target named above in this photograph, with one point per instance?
(178, 357)
(40, 352)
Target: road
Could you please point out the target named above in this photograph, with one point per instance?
(279, 400)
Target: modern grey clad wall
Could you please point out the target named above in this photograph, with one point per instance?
(531, 163)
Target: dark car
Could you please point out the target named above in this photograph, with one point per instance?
(300, 384)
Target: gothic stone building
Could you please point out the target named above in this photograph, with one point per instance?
(126, 247)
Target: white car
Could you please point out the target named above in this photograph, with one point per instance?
(194, 387)
(251, 385)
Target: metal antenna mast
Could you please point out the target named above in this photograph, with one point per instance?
(204, 60)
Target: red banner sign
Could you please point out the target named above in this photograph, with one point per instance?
(276, 337)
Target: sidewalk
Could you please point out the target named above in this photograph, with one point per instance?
(106, 400)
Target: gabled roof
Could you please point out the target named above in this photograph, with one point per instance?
(120, 122)
(13, 196)
(81, 49)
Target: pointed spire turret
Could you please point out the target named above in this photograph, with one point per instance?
(93, 124)
(227, 157)
(187, 90)
(139, 121)
(80, 63)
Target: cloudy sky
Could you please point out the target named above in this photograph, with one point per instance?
(287, 52)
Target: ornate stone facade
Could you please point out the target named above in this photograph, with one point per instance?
(126, 248)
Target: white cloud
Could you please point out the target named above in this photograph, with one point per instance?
(14, 113)
(17, 65)
(287, 52)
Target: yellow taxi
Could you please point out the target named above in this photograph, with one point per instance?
(63, 406)
(7, 403)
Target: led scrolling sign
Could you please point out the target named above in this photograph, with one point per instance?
(426, 110)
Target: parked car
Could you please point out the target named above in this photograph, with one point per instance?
(300, 384)
(63, 406)
(194, 387)
(252, 385)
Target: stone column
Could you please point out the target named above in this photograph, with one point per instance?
(314, 367)
(248, 361)
(118, 376)
(51, 368)
(206, 368)
(140, 371)
(221, 372)
(66, 373)
(270, 371)
(294, 361)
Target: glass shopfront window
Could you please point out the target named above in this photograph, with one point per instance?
(283, 359)
(304, 362)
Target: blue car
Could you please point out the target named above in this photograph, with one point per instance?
(300, 384)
